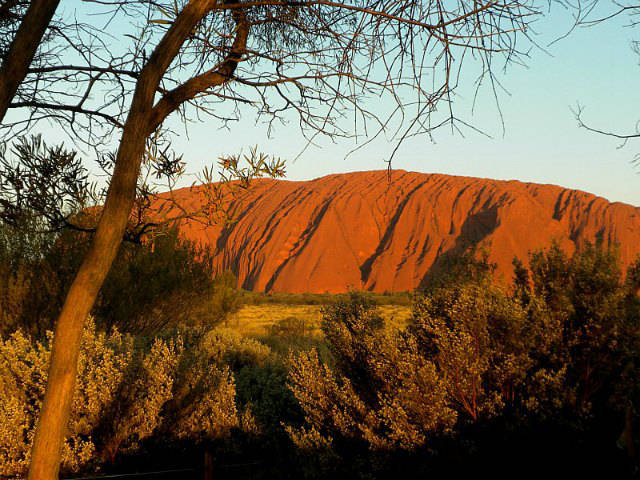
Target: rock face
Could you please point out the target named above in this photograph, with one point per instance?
(359, 231)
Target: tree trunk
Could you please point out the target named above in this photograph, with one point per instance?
(56, 408)
(23, 48)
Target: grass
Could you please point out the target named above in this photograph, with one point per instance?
(257, 320)
(280, 298)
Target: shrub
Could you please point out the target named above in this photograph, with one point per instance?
(23, 374)
(173, 280)
(459, 266)
(587, 301)
(381, 392)
(225, 346)
(263, 389)
(22, 285)
(478, 338)
(175, 283)
(178, 388)
(560, 350)
(289, 327)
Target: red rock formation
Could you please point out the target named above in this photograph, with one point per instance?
(358, 231)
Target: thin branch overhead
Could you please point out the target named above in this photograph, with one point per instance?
(359, 69)
(313, 62)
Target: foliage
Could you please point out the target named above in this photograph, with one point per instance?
(560, 349)
(478, 338)
(225, 298)
(180, 388)
(174, 282)
(381, 392)
(459, 265)
(227, 347)
(25, 279)
(587, 301)
(479, 369)
(50, 182)
(263, 389)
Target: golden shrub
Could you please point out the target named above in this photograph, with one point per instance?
(225, 346)
(126, 391)
(383, 390)
(23, 367)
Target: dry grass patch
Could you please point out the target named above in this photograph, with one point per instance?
(258, 320)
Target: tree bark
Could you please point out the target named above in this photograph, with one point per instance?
(23, 48)
(56, 408)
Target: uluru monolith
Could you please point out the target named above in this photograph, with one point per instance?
(365, 231)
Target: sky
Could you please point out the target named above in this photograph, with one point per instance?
(541, 141)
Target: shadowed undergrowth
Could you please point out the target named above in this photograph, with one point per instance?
(470, 377)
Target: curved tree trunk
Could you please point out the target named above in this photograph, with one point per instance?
(54, 416)
(23, 48)
(56, 408)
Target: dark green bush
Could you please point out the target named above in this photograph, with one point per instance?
(263, 389)
(458, 266)
(174, 282)
(151, 287)
(28, 287)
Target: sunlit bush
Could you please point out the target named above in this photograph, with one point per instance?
(560, 348)
(180, 387)
(225, 346)
(381, 391)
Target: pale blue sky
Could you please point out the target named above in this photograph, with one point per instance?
(542, 142)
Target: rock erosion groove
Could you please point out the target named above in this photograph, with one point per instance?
(358, 231)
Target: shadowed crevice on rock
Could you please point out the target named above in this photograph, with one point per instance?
(365, 268)
(359, 229)
(304, 239)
